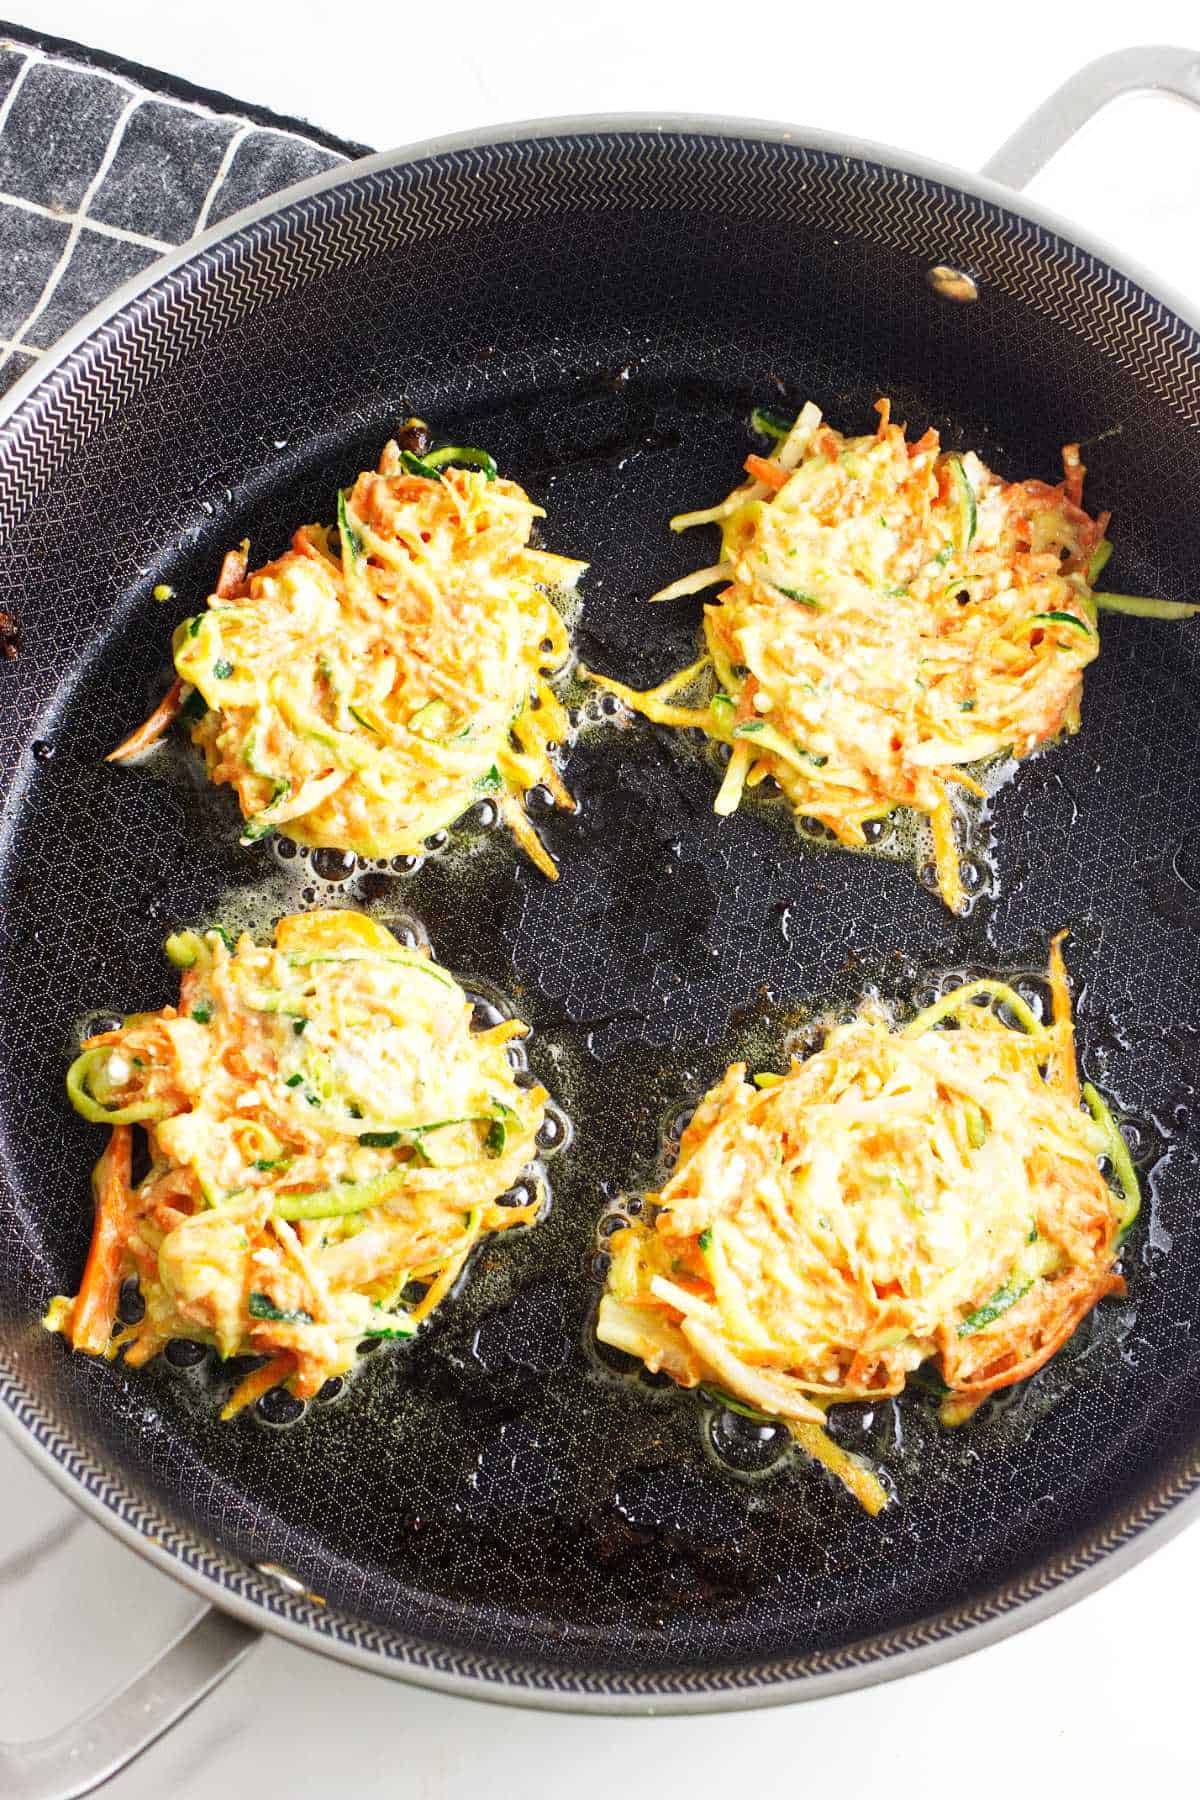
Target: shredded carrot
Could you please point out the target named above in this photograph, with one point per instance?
(250, 1230)
(1019, 1367)
(143, 1346)
(771, 474)
(1066, 1072)
(232, 578)
(504, 1031)
(151, 729)
(884, 612)
(429, 578)
(449, 1275)
(1074, 471)
(259, 1382)
(963, 780)
(780, 1264)
(95, 1308)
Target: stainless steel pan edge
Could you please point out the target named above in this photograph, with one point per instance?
(90, 1750)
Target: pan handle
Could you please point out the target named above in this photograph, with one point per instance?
(76, 1759)
(1145, 68)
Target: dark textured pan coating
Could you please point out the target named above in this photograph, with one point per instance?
(602, 314)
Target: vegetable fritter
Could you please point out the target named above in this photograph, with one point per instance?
(328, 1136)
(890, 614)
(904, 1196)
(360, 692)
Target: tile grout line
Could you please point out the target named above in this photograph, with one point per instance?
(80, 221)
(68, 249)
(239, 137)
(18, 83)
(99, 226)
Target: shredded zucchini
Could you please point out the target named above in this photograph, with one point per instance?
(893, 1207)
(324, 1127)
(897, 612)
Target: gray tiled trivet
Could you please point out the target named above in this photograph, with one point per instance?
(104, 166)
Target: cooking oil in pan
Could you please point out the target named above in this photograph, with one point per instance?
(471, 1371)
(903, 836)
(902, 1439)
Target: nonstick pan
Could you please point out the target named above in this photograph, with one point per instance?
(497, 1511)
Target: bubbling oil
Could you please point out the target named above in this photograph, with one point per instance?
(619, 1117)
(904, 835)
(901, 1438)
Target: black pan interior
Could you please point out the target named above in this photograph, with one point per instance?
(499, 1488)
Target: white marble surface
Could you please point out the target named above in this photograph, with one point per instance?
(1097, 1700)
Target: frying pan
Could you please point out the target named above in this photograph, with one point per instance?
(498, 1511)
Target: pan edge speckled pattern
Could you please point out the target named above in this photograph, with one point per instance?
(259, 1599)
(242, 1590)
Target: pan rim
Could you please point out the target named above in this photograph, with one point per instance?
(582, 125)
(548, 1686)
